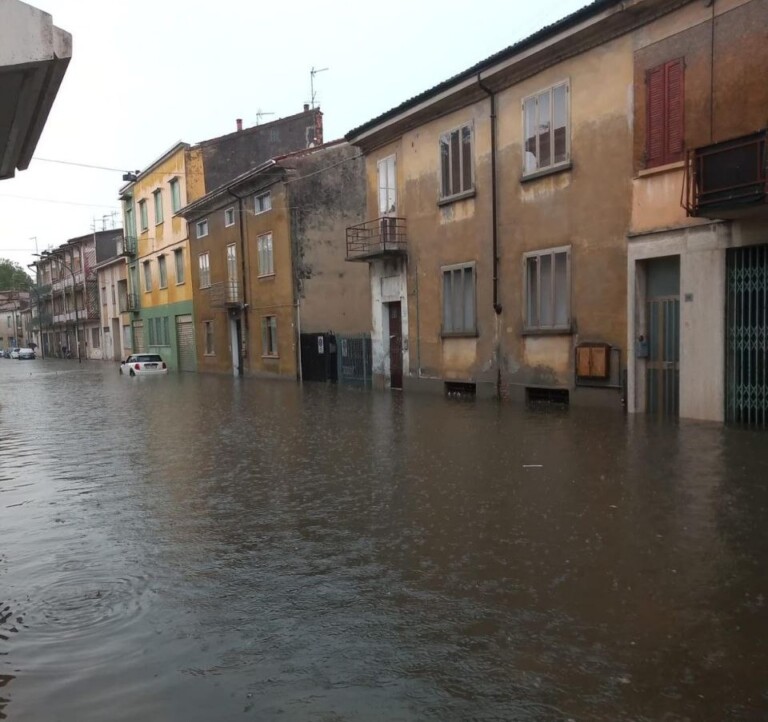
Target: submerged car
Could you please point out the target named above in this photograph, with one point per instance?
(26, 353)
(15, 352)
(143, 364)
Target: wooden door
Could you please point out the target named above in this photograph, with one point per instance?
(395, 346)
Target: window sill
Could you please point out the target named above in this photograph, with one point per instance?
(266, 276)
(544, 172)
(459, 334)
(456, 197)
(159, 223)
(657, 169)
(209, 355)
(269, 358)
(548, 331)
(180, 283)
(163, 288)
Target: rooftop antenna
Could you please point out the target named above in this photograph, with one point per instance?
(260, 114)
(314, 71)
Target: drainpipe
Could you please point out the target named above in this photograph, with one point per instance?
(244, 330)
(494, 200)
(495, 233)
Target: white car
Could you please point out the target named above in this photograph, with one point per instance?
(26, 353)
(143, 364)
(15, 352)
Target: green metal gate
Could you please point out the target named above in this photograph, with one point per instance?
(747, 336)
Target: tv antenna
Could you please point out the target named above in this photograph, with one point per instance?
(260, 114)
(314, 71)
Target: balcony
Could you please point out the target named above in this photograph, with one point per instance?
(728, 179)
(225, 294)
(126, 246)
(132, 301)
(380, 238)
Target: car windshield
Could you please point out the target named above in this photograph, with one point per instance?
(148, 358)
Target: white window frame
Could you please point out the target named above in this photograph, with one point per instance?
(269, 347)
(204, 264)
(538, 326)
(455, 269)
(201, 228)
(178, 263)
(261, 207)
(387, 185)
(147, 265)
(162, 270)
(175, 194)
(157, 198)
(528, 169)
(229, 217)
(266, 253)
(447, 194)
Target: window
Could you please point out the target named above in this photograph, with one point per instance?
(387, 185)
(147, 277)
(548, 289)
(665, 113)
(545, 121)
(143, 215)
(95, 338)
(130, 221)
(459, 300)
(229, 217)
(208, 336)
(103, 295)
(201, 228)
(456, 162)
(266, 258)
(162, 271)
(158, 196)
(269, 336)
(205, 270)
(175, 194)
(178, 259)
(159, 331)
(263, 203)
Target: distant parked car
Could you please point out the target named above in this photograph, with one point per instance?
(15, 352)
(26, 353)
(143, 364)
(5, 353)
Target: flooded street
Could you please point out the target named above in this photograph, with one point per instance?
(203, 548)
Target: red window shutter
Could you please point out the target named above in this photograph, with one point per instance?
(675, 101)
(655, 116)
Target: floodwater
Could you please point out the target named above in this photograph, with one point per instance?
(203, 548)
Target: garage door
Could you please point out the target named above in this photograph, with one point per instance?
(139, 346)
(185, 342)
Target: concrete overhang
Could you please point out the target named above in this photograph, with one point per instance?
(34, 55)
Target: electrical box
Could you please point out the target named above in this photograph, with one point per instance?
(593, 361)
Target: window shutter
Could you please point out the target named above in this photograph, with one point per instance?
(675, 102)
(655, 116)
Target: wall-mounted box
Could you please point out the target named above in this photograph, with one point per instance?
(593, 361)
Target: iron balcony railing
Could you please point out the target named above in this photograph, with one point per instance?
(132, 301)
(224, 293)
(127, 246)
(377, 238)
(727, 177)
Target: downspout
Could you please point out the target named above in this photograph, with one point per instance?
(494, 232)
(494, 202)
(241, 224)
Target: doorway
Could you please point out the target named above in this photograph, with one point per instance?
(236, 343)
(395, 346)
(663, 323)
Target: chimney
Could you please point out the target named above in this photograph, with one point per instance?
(306, 107)
(239, 122)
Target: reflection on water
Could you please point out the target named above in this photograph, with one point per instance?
(196, 548)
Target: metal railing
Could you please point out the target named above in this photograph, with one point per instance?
(380, 237)
(224, 293)
(726, 176)
(132, 300)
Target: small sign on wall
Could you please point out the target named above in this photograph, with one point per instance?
(320, 345)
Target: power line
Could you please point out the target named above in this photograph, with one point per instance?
(81, 165)
(54, 200)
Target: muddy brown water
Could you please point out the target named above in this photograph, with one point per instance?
(203, 548)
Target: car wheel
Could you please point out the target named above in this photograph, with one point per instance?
(133, 373)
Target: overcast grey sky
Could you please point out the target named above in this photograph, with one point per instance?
(149, 73)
